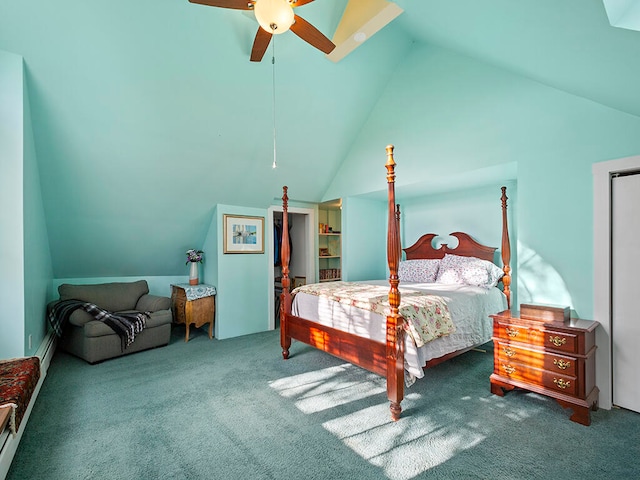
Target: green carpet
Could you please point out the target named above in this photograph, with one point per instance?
(233, 409)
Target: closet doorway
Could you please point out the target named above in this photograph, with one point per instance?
(302, 268)
(607, 338)
(625, 265)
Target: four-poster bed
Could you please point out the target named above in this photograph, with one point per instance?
(383, 349)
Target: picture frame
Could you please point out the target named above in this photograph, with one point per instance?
(324, 252)
(243, 234)
(299, 281)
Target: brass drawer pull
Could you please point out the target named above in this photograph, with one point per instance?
(562, 383)
(509, 352)
(557, 341)
(561, 364)
(509, 369)
(512, 332)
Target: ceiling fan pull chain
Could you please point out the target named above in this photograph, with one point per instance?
(273, 63)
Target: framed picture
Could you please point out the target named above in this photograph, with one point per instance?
(324, 252)
(299, 281)
(243, 234)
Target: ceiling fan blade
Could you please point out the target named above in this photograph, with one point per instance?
(299, 3)
(311, 35)
(237, 4)
(260, 44)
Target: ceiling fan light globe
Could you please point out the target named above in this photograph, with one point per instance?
(274, 16)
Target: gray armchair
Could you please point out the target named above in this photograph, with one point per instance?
(93, 340)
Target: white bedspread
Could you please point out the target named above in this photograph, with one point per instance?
(470, 308)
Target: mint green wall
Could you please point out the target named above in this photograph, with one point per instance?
(11, 210)
(242, 285)
(447, 114)
(476, 211)
(38, 270)
(25, 277)
(209, 267)
(364, 240)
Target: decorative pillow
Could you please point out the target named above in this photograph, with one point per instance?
(468, 271)
(420, 271)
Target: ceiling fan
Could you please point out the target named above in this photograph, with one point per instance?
(275, 17)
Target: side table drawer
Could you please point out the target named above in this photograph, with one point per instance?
(547, 339)
(178, 304)
(561, 341)
(511, 332)
(550, 361)
(558, 382)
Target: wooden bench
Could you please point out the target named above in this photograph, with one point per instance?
(18, 380)
(5, 415)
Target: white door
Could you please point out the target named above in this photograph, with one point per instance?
(625, 290)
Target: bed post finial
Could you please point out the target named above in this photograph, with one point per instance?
(395, 331)
(391, 165)
(285, 296)
(506, 249)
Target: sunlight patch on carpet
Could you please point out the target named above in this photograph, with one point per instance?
(321, 390)
(404, 449)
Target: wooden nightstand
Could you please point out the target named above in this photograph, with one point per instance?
(193, 304)
(552, 359)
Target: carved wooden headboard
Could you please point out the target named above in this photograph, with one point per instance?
(467, 247)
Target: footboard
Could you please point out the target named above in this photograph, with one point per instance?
(364, 352)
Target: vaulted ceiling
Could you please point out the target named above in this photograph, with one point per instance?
(148, 113)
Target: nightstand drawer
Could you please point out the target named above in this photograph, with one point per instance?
(561, 341)
(558, 382)
(552, 362)
(543, 338)
(510, 332)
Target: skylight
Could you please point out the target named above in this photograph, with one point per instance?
(623, 13)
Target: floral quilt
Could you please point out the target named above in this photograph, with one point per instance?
(426, 316)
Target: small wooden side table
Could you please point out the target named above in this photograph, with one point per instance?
(193, 304)
(552, 359)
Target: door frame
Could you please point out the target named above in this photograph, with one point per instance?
(310, 265)
(602, 173)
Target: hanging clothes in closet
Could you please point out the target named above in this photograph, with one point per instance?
(277, 242)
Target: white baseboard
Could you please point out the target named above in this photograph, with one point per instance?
(8, 442)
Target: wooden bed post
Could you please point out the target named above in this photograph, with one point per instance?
(395, 330)
(506, 249)
(398, 227)
(285, 296)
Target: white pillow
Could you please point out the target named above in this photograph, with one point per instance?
(420, 271)
(461, 270)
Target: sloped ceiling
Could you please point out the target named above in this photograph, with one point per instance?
(569, 45)
(148, 113)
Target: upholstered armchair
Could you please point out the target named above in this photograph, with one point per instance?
(93, 340)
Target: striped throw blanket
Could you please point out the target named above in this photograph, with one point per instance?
(126, 325)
